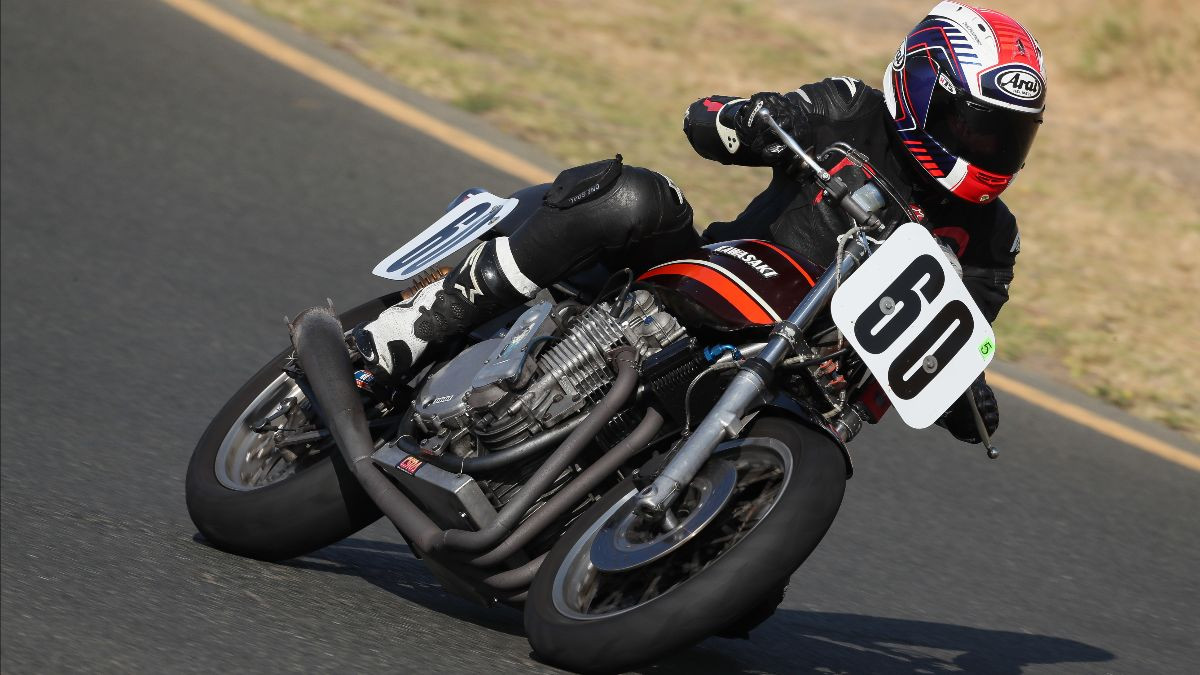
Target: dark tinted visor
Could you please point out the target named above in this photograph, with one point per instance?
(993, 139)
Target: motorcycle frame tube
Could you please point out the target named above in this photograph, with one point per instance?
(724, 420)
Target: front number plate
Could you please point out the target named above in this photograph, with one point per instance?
(910, 318)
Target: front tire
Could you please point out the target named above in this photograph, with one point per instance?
(573, 625)
(318, 504)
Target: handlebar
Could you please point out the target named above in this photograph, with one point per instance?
(835, 187)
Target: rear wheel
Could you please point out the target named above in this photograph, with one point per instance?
(248, 497)
(615, 593)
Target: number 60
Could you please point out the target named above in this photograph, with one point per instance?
(896, 309)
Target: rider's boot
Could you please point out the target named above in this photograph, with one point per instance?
(485, 284)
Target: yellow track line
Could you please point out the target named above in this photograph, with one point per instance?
(503, 160)
(1095, 422)
(360, 91)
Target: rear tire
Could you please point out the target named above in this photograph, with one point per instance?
(730, 588)
(319, 504)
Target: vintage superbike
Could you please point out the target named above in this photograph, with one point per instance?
(638, 462)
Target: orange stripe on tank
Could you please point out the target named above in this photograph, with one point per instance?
(795, 264)
(737, 297)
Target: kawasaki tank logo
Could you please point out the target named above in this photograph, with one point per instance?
(750, 259)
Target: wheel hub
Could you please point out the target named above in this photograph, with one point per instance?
(248, 458)
(627, 541)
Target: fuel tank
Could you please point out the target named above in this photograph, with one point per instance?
(737, 284)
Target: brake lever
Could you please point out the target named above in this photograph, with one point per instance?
(765, 116)
(834, 186)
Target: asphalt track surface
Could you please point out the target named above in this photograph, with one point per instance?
(169, 195)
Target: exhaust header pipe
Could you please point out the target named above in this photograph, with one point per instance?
(320, 345)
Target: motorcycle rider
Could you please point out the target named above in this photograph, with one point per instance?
(960, 105)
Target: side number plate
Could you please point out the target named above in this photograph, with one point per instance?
(460, 226)
(910, 318)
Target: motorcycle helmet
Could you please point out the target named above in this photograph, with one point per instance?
(966, 91)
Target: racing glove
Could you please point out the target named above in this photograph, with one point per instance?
(755, 133)
(960, 421)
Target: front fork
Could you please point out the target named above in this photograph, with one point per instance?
(745, 390)
(752, 379)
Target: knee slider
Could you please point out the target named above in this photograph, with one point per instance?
(618, 204)
(657, 204)
(583, 183)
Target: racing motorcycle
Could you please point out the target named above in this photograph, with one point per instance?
(638, 461)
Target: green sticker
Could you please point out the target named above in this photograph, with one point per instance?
(987, 349)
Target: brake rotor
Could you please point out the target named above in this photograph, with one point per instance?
(628, 542)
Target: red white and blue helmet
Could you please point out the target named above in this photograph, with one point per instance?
(966, 90)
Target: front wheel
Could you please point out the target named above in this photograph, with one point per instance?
(247, 498)
(614, 594)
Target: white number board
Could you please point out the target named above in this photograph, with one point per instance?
(910, 318)
(460, 226)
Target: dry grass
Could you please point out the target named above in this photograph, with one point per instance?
(1107, 284)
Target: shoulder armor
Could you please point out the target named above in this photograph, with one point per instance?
(837, 98)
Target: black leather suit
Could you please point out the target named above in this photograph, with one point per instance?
(984, 237)
(630, 216)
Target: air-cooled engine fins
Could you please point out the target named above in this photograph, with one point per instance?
(579, 359)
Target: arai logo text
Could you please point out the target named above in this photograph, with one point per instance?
(1019, 83)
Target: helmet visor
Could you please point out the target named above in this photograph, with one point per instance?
(991, 138)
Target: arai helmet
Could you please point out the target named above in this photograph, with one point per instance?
(966, 90)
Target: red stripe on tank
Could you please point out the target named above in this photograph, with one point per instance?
(728, 290)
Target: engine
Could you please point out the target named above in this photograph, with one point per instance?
(502, 391)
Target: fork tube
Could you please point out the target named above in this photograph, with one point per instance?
(814, 301)
(747, 387)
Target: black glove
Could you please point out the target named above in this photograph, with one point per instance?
(960, 421)
(759, 137)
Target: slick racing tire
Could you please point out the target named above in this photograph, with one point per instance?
(788, 490)
(290, 511)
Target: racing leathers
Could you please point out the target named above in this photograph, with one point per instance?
(984, 238)
(607, 211)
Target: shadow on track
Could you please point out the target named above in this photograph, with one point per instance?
(396, 570)
(799, 641)
(791, 641)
